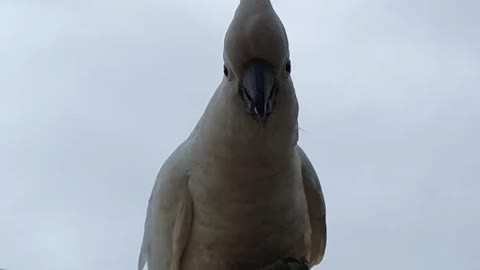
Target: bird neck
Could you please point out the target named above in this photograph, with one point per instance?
(227, 129)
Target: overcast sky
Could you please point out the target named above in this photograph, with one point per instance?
(94, 96)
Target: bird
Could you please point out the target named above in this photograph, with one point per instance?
(239, 192)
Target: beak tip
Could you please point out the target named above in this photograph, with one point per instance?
(261, 114)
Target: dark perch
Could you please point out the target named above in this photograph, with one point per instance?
(289, 264)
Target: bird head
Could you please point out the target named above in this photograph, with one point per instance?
(256, 57)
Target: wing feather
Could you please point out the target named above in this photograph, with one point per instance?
(316, 209)
(169, 215)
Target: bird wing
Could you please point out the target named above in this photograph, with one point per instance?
(169, 216)
(316, 209)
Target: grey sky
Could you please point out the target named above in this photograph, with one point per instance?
(94, 95)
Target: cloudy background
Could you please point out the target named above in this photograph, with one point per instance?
(89, 110)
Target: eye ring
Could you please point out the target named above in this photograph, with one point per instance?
(288, 67)
(225, 71)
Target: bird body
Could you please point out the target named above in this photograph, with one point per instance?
(239, 193)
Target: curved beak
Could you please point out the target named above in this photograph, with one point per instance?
(258, 86)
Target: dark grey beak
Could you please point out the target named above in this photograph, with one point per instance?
(257, 88)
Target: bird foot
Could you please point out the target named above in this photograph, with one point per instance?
(289, 264)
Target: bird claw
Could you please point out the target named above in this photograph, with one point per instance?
(289, 264)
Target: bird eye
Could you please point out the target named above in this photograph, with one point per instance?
(288, 67)
(225, 70)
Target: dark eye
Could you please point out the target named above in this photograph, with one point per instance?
(225, 71)
(288, 67)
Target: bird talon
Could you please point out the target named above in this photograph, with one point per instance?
(289, 263)
(291, 259)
